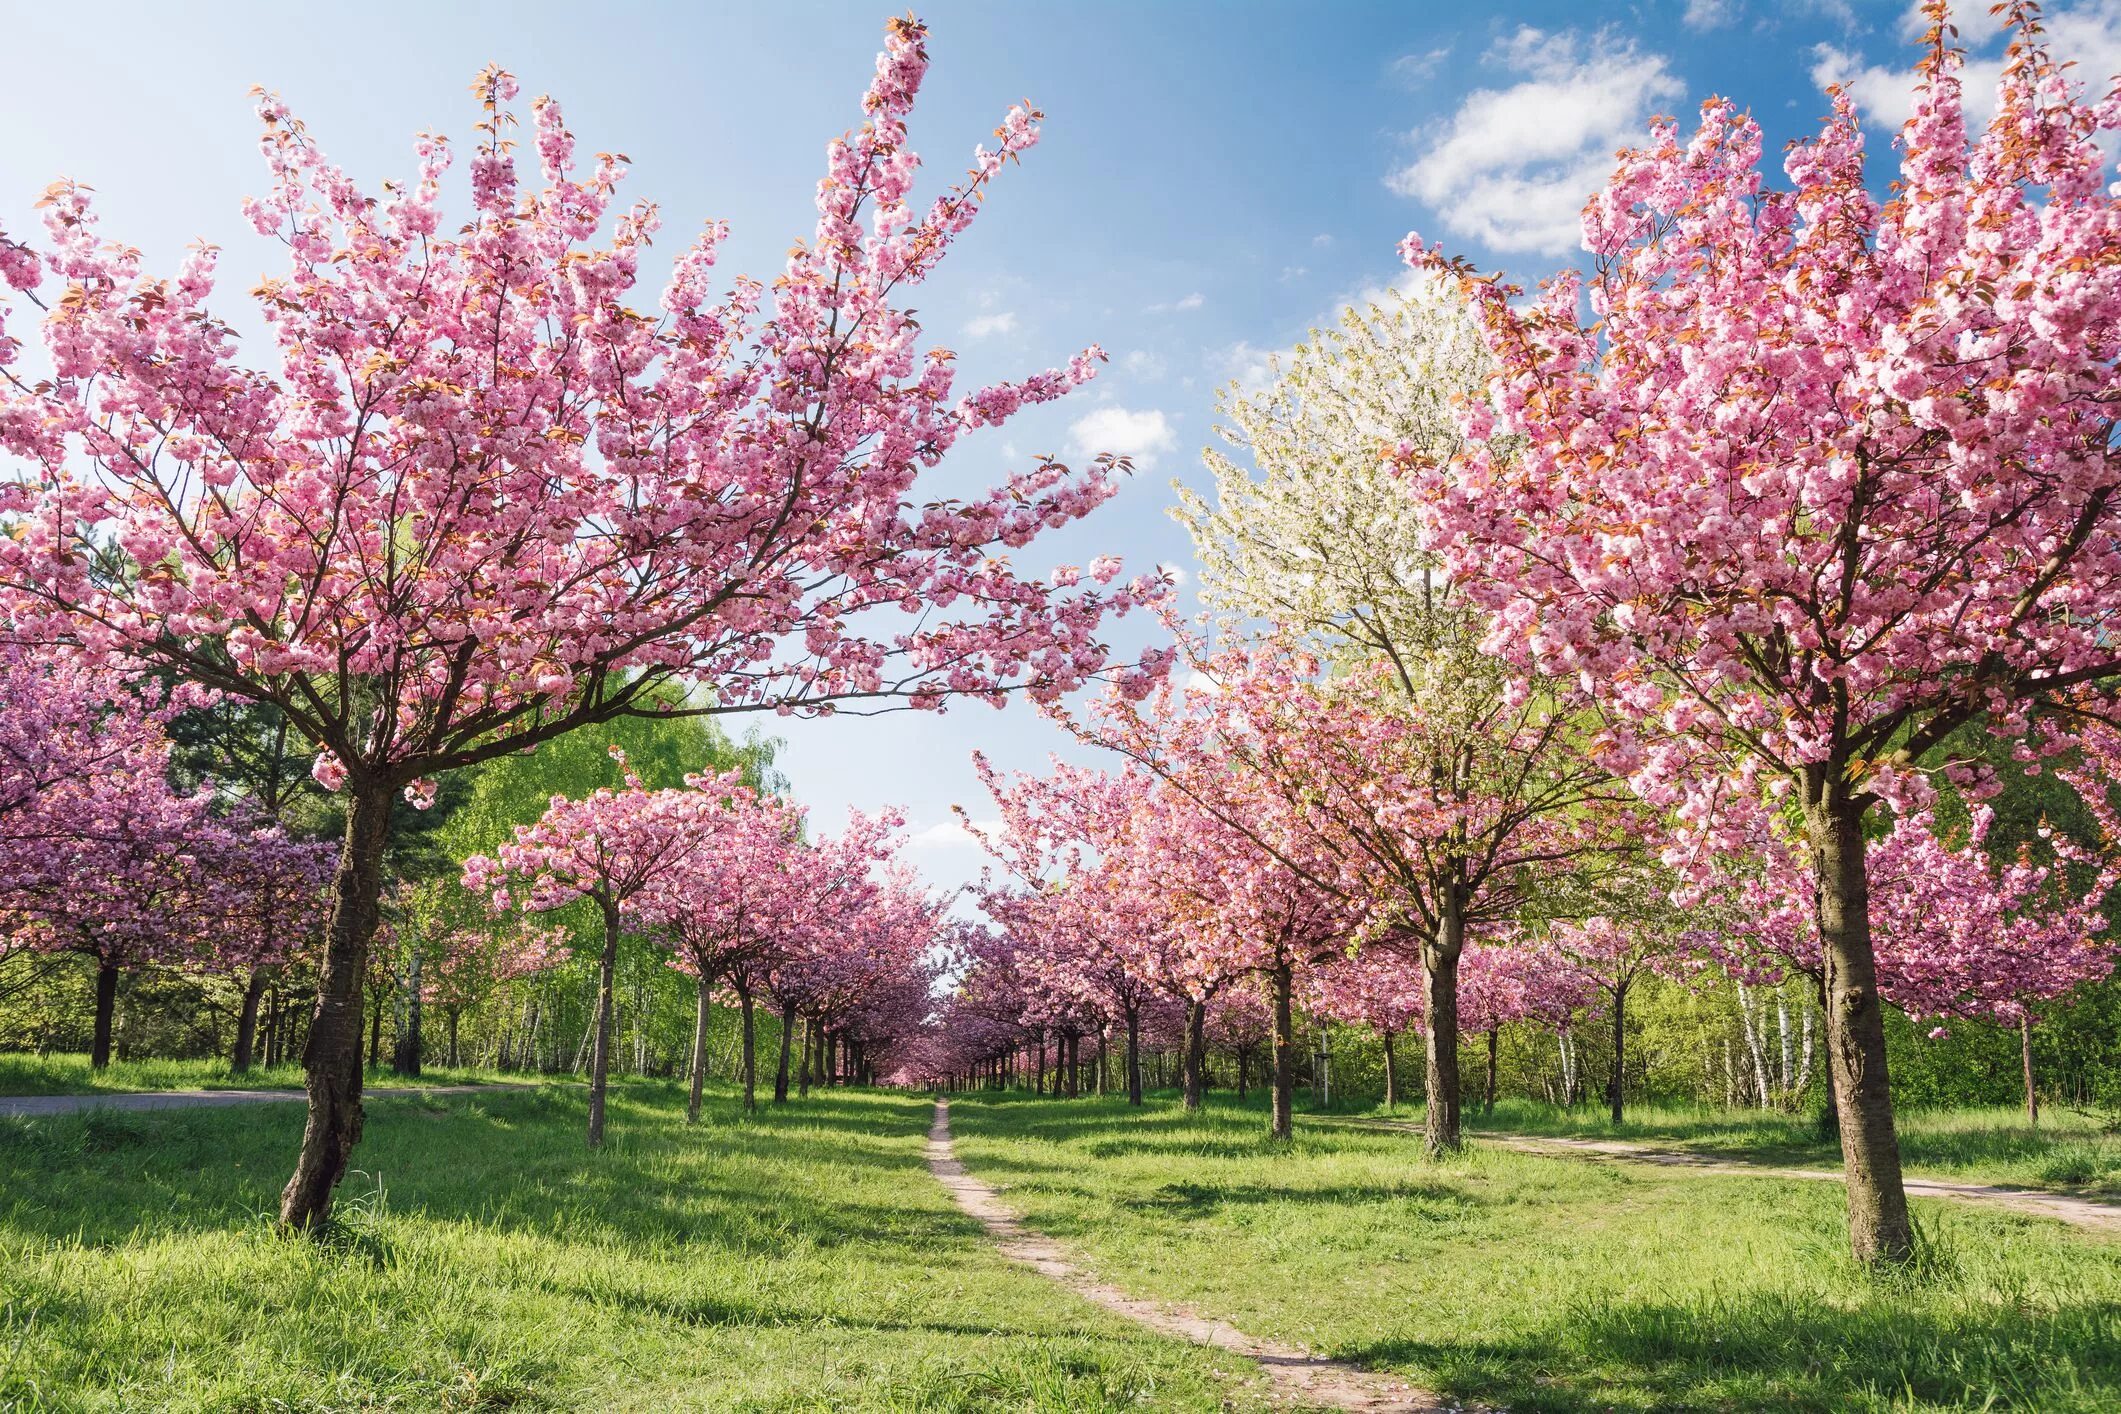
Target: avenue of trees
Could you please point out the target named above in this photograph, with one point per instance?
(1695, 677)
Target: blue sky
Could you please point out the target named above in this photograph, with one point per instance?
(1214, 180)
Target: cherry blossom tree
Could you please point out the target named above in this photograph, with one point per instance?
(465, 966)
(1827, 479)
(1611, 955)
(609, 848)
(477, 500)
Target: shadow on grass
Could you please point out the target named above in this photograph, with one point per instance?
(1769, 1352)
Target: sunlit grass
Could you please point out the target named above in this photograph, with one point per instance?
(61, 1074)
(1555, 1283)
(803, 1259)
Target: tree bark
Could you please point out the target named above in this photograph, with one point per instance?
(247, 1020)
(331, 1055)
(1281, 1122)
(1615, 1090)
(405, 1059)
(1487, 1100)
(1879, 1228)
(1391, 1073)
(703, 992)
(780, 1077)
(1134, 1054)
(600, 1027)
(1196, 1054)
(451, 1016)
(1440, 1132)
(106, 1013)
(751, 1060)
(2025, 1053)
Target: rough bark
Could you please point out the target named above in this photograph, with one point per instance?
(702, 1001)
(1134, 1055)
(2025, 1053)
(1879, 1227)
(450, 1017)
(1487, 1099)
(1615, 1088)
(1391, 1072)
(331, 1055)
(1196, 1054)
(1282, 1121)
(245, 1053)
(601, 1026)
(106, 1013)
(780, 1076)
(1440, 1132)
(405, 1058)
(751, 1055)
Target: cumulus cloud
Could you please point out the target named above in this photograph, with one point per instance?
(1513, 166)
(2087, 33)
(1709, 14)
(1175, 573)
(1247, 365)
(1413, 68)
(1140, 363)
(951, 834)
(1140, 435)
(982, 326)
(1181, 305)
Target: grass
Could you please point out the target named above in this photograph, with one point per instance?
(1553, 1284)
(59, 1074)
(799, 1260)
(2069, 1152)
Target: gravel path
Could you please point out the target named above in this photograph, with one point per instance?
(27, 1105)
(1295, 1374)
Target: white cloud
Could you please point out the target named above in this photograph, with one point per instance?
(1143, 364)
(1245, 364)
(982, 326)
(1181, 305)
(1709, 14)
(951, 834)
(2087, 34)
(1175, 573)
(1513, 167)
(1322, 240)
(1291, 273)
(1411, 69)
(1198, 681)
(1140, 435)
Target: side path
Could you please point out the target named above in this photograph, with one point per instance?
(1295, 1373)
(24, 1106)
(2079, 1212)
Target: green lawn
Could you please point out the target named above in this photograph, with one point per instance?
(2070, 1151)
(1555, 1283)
(799, 1260)
(23, 1074)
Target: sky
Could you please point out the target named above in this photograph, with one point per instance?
(1213, 181)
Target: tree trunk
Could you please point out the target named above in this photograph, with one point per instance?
(247, 1019)
(802, 1079)
(780, 1076)
(2025, 1053)
(1281, 1122)
(1196, 1055)
(751, 1058)
(1439, 970)
(1391, 1073)
(331, 1055)
(600, 1026)
(375, 1031)
(406, 1058)
(1487, 1100)
(451, 1016)
(1879, 1229)
(703, 992)
(106, 1013)
(1134, 1054)
(1615, 1090)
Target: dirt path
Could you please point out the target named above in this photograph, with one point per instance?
(1294, 1373)
(2065, 1207)
(25, 1106)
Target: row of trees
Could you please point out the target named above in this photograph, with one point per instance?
(472, 501)
(1687, 608)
